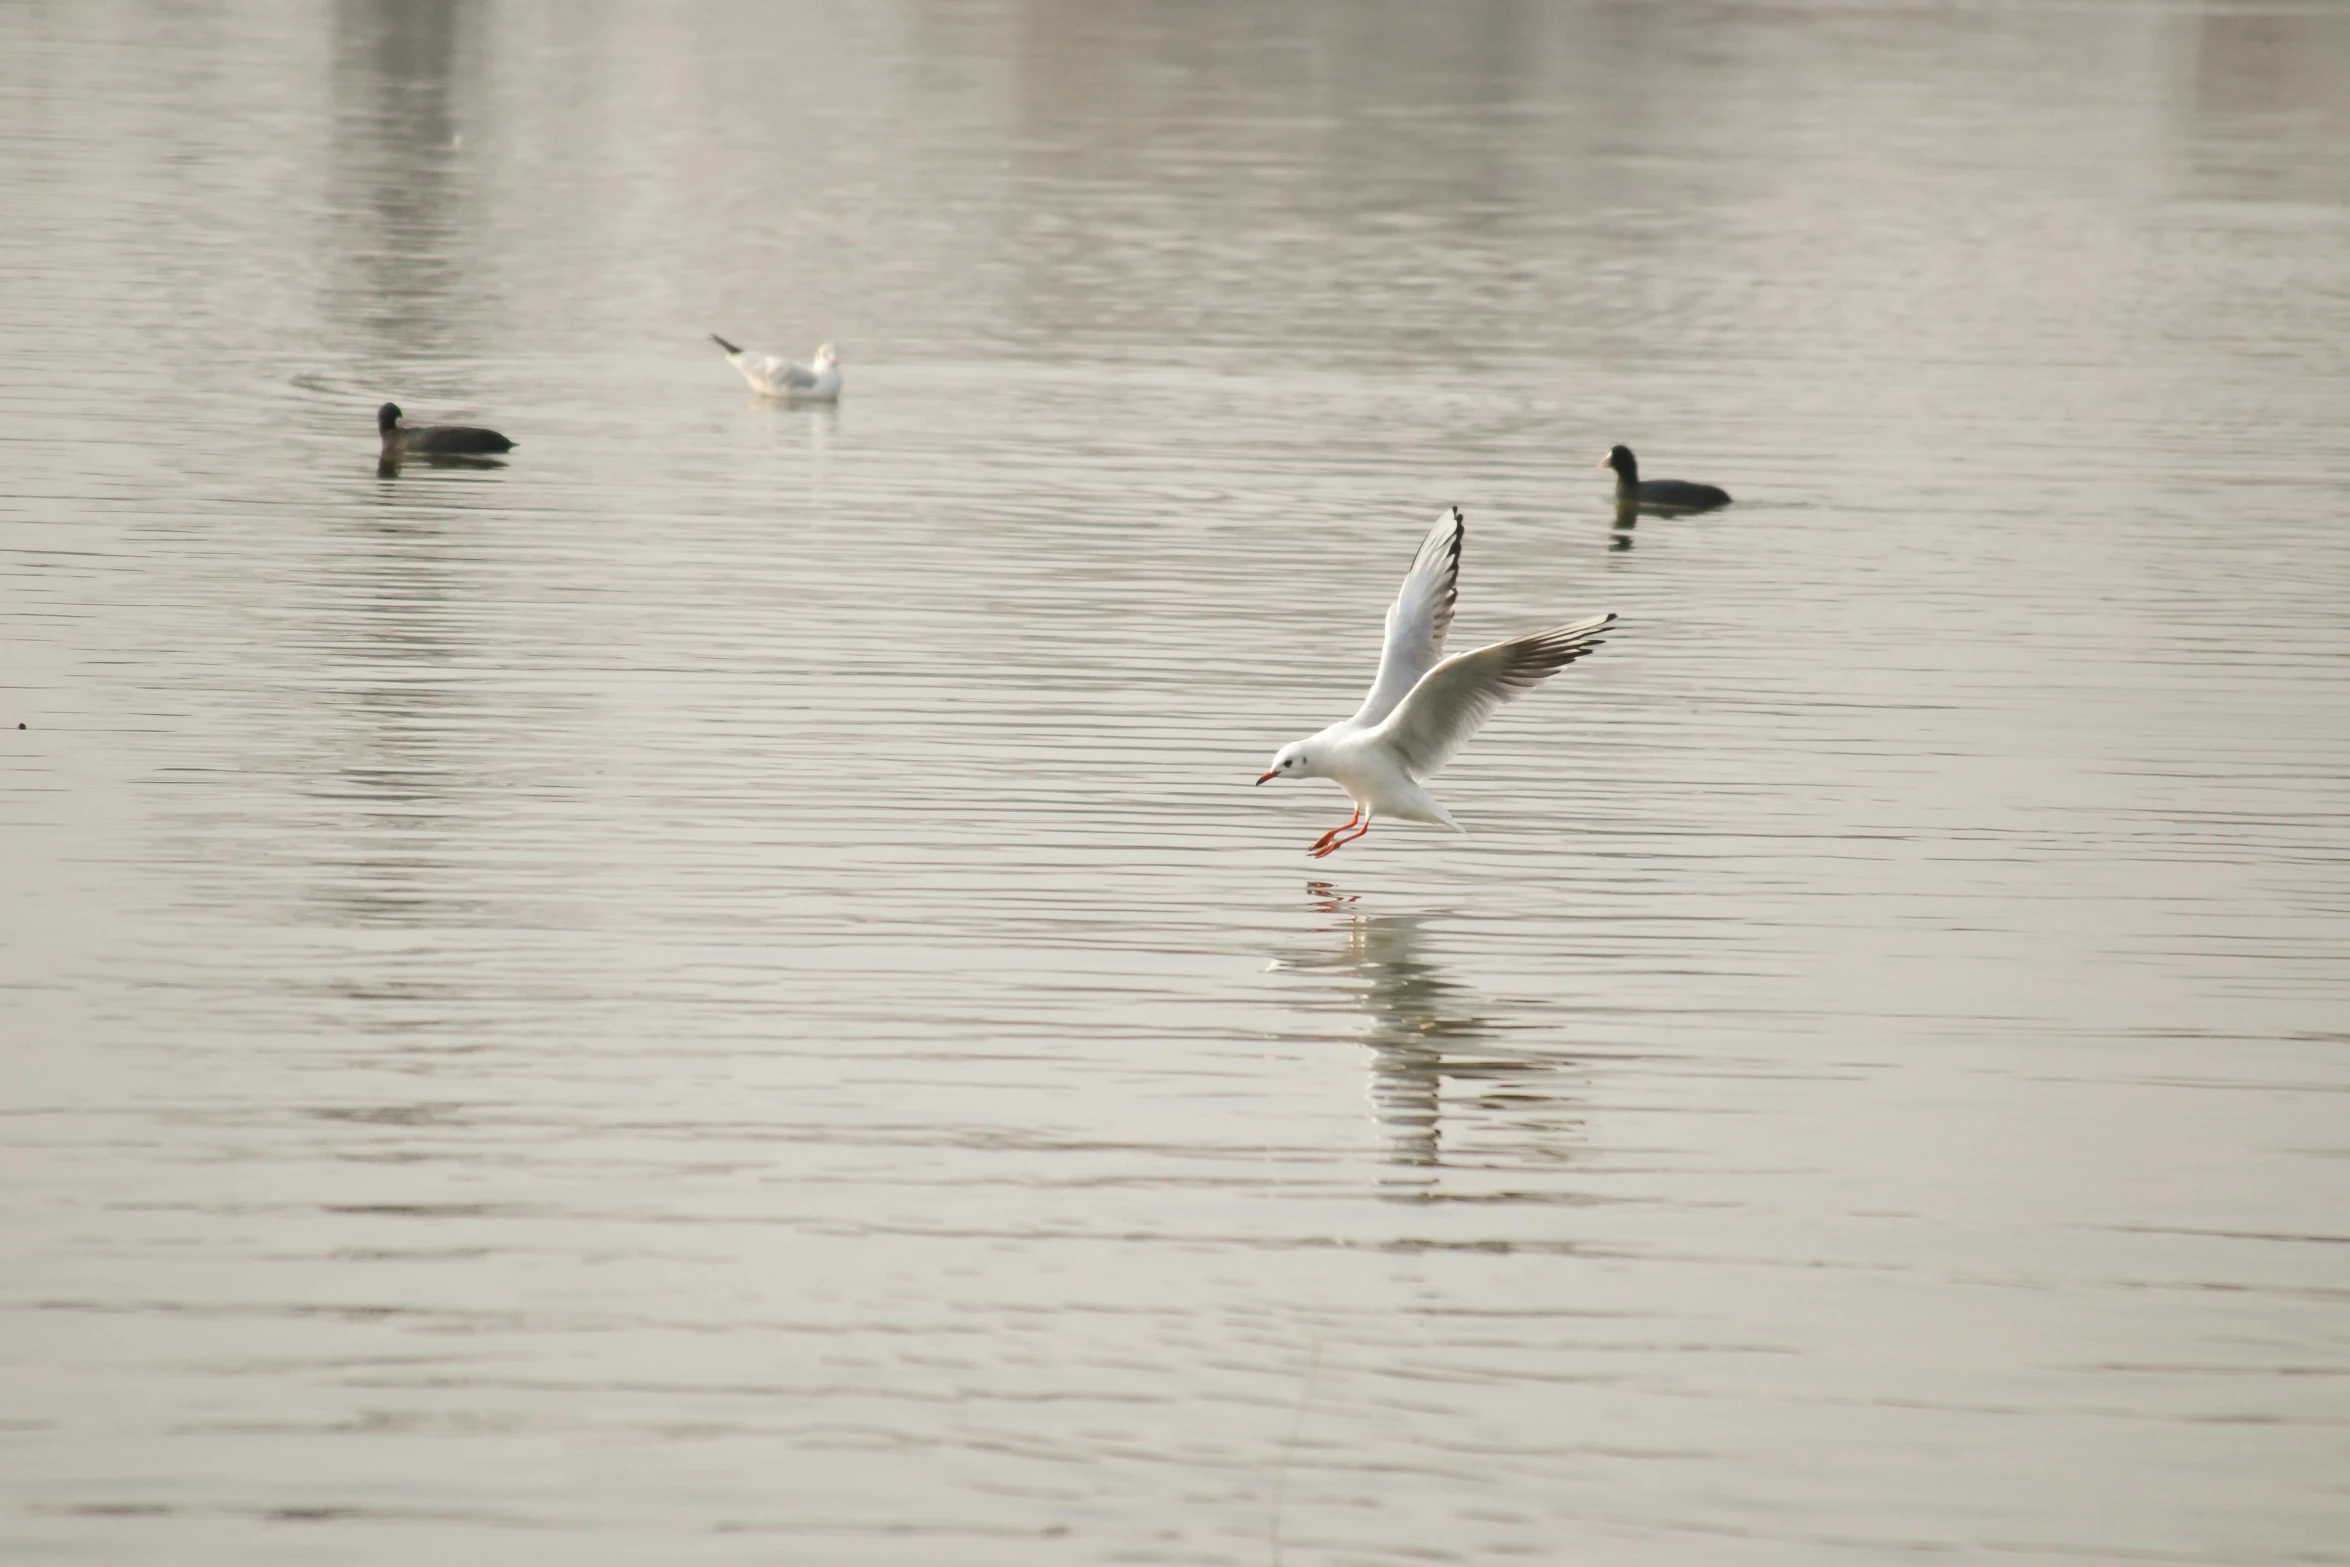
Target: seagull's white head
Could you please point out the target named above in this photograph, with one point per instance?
(1291, 761)
(826, 358)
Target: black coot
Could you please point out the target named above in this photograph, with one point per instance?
(434, 440)
(1662, 494)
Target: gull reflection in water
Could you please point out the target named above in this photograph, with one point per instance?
(1423, 1032)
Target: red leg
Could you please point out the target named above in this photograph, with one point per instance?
(1337, 843)
(1335, 831)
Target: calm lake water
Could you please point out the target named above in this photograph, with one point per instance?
(720, 993)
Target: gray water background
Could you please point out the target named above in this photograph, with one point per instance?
(720, 993)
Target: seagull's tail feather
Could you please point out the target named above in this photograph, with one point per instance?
(723, 343)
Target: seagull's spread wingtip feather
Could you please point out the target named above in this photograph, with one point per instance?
(723, 343)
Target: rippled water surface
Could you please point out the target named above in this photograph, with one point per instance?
(720, 992)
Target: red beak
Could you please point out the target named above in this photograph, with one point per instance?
(1275, 773)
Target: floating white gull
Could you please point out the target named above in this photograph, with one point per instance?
(772, 375)
(1423, 707)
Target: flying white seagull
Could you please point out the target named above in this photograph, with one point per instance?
(1424, 707)
(772, 375)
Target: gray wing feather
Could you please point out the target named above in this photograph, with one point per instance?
(769, 373)
(1419, 619)
(1453, 700)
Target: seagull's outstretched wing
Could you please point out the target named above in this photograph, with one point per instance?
(1418, 619)
(1453, 700)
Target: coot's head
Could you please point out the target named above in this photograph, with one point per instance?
(1620, 458)
(826, 357)
(387, 418)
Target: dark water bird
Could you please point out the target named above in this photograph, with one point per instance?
(1659, 494)
(434, 440)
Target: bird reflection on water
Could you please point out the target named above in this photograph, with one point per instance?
(1423, 1034)
(390, 467)
(1627, 518)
